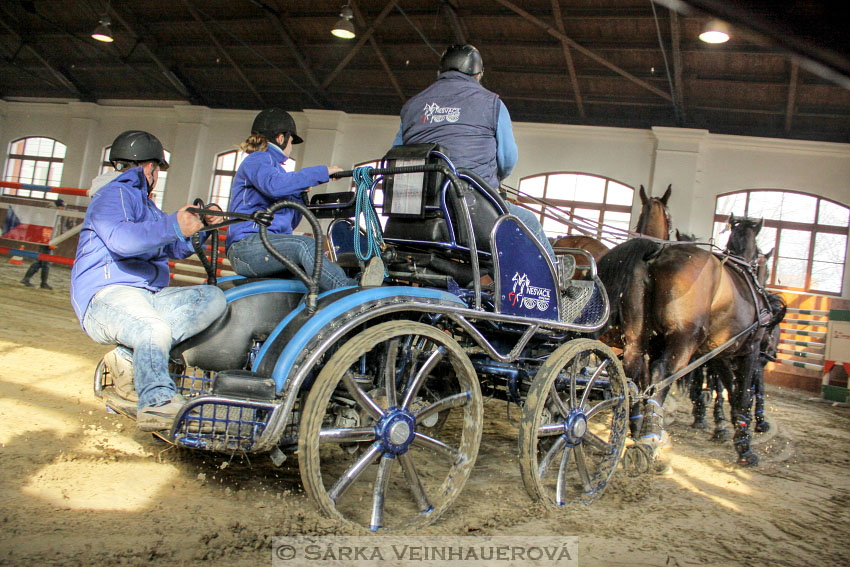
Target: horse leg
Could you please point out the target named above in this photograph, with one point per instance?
(721, 377)
(741, 408)
(697, 378)
(762, 425)
(636, 368)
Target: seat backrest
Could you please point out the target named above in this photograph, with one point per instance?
(414, 203)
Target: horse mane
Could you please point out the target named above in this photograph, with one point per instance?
(617, 268)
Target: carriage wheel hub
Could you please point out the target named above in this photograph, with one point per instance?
(575, 426)
(397, 430)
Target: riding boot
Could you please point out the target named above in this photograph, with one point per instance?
(45, 271)
(30, 273)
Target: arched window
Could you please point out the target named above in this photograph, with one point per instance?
(35, 160)
(162, 178)
(808, 235)
(589, 200)
(226, 164)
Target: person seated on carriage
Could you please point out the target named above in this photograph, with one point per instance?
(119, 282)
(261, 181)
(471, 123)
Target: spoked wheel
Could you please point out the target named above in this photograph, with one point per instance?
(391, 427)
(574, 424)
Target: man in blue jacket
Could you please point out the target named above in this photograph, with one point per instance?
(472, 123)
(119, 283)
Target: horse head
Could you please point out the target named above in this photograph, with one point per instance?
(654, 219)
(742, 239)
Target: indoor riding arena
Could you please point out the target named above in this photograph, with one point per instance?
(589, 297)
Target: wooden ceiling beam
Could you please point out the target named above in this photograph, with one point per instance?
(224, 52)
(449, 9)
(584, 51)
(361, 21)
(138, 32)
(571, 70)
(792, 96)
(678, 83)
(275, 17)
(363, 39)
(60, 76)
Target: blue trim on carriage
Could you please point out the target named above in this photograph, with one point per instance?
(264, 286)
(230, 278)
(323, 317)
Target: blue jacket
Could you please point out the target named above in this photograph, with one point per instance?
(466, 119)
(260, 182)
(125, 240)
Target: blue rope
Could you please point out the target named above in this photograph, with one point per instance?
(363, 206)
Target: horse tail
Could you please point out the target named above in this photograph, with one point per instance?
(618, 267)
(778, 307)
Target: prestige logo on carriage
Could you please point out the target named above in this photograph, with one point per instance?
(435, 114)
(527, 295)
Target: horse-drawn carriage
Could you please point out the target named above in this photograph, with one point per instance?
(379, 391)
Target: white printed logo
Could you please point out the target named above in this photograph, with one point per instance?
(527, 295)
(434, 114)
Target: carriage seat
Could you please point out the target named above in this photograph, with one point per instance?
(416, 204)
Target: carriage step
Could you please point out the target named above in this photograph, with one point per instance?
(243, 384)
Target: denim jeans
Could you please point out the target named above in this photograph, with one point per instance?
(250, 258)
(530, 220)
(150, 324)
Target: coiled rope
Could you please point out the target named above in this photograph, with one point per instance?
(363, 206)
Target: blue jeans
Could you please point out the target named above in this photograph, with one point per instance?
(150, 324)
(530, 220)
(250, 258)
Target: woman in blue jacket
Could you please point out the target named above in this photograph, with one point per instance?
(260, 182)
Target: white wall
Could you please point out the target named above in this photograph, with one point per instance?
(698, 164)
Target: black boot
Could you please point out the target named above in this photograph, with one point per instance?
(45, 271)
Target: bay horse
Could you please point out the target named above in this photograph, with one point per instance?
(670, 303)
(654, 220)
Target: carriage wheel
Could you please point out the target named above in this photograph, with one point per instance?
(574, 424)
(391, 427)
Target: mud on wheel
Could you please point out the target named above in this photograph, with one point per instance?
(574, 424)
(391, 427)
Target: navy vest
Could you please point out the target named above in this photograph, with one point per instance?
(460, 115)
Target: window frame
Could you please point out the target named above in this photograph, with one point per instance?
(570, 206)
(812, 228)
(22, 157)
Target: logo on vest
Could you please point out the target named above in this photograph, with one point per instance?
(527, 295)
(434, 114)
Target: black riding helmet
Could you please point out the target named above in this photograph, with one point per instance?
(137, 146)
(273, 121)
(463, 58)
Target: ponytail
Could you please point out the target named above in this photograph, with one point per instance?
(255, 143)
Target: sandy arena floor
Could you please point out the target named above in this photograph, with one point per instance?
(82, 487)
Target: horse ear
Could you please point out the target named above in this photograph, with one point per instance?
(731, 219)
(769, 254)
(759, 225)
(666, 195)
(643, 197)
(678, 236)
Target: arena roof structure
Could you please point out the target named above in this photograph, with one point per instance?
(784, 73)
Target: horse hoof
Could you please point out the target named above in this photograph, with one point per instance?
(721, 436)
(762, 427)
(699, 424)
(637, 460)
(661, 467)
(748, 460)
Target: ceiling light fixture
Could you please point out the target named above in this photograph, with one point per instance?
(103, 31)
(344, 28)
(715, 31)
